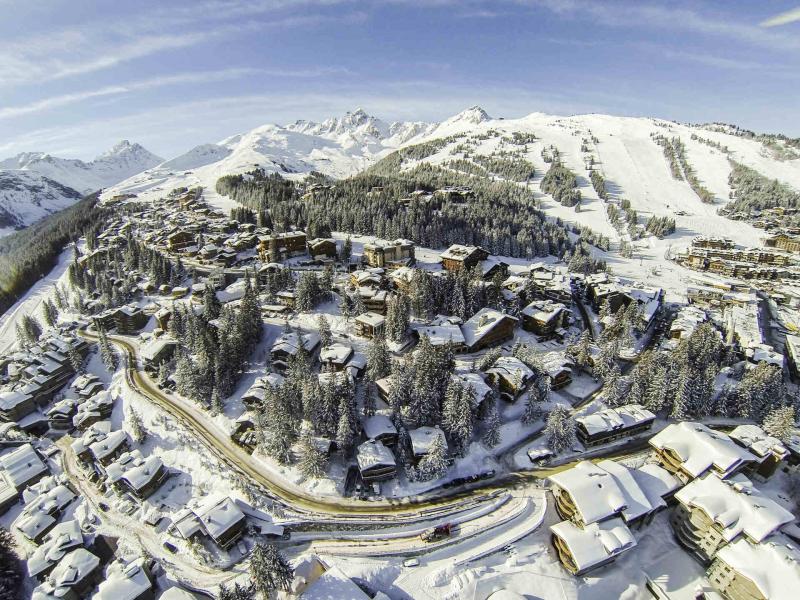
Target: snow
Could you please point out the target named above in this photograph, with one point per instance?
(609, 419)
(595, 543)
(20, 466)
(773, 566)
(736, 506)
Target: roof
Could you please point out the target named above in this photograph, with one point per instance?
(422, 439)
(378, 425)
(335, 353)
(71, 570)
(218, 515)
(373, 453)
(481, 323)
(511, 367)
(371, 318)
(475, 381)
(773, 566)
(439, 335)
(135, 469)
(124, 581)
(333, 583)
(60, 540)
(700, 448)
(595, 492)
(459, 252)
(106, 445)
(735, 505)
(22, 465)
(643, 490)
(595, 543)
(611, 419)
(290, 342)
(155, 346)
(758, 442)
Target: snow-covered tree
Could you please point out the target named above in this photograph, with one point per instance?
(307, 293)
(137, 429)
(237, 592)
(560, 429)
(216, 402)
(312, 461)
(269, 570)
(346, 251)
(325, 335)
(780, 422)
(612, 387)
(434, 464)
(579, 351)
(487, 360)
(75, 359)
(345, 430)
(491, 435)
(10, 567)
(107, 354)
(379, 359)
(397, 317)
(49, 313)
(211, 304)
(457, 417)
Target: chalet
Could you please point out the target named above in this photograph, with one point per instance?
(335, 583)
(689, 450)
(712, 513)
(458, 257)
(398, 253)
(686, 321)
(59, 541)
(106, 448)
(422, 439)
(545, 318)
(558, 368)
(474, 382)
(257, 392)
(443, 331)
(45, 503)
(402, 279)
(367, 278)
(126, 319)
(289, 345)
(287, 298)
(374, 300)
(713, 242)
(582, 549)
(335, 357)
(511, 376)
(769, 451)
(766, 571)
(783, 241)
(456, 194)
(179, 240)
(320, 248)
(60, 415)
(134, 474)
(218, 518)
(493, 267)
(19, 468)
(486, 328)
(279, 246)
(369, 324)
(15, 405)
(157, 351)
(375, 461)
(73, 578)
(612, 424)
(127, 581)
(380, 428)
(94, 409)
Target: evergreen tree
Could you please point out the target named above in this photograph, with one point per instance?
(580, 350)
(312, 460)
(324, 329)
(434, 464)
(75, 359)
(345, 431)
(216, 402)
(211, 304)
(560, 429)
(457, 418)
(491, 436)
(397, 317)
(358, 306)
(107, 354)
(346, 307)
(612, 386)
(11, 575)
(307, 292)
(269, 570)
(379, 359)
(49, 313)
(346, 251)
(138, 432)
(682, 399)
(780, 422)
(237, 592)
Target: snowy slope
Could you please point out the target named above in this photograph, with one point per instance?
(26, 197)
(120, 162)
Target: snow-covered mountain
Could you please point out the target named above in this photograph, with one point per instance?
(34, 184)
(27, 196)
(120, 162)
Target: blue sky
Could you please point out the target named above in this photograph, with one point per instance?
(77, 76)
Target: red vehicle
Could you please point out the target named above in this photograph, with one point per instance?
(436, 533)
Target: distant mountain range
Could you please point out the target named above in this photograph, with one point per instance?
(34, 184)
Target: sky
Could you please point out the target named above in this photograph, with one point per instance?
(76, 77)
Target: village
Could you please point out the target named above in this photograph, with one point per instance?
(339, 377)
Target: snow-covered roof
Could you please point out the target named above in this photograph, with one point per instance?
(735, 505)
(373, 453)
(176, 593)
(543, 310)
(773, 566)
(333, 583)
(60, 540)
(135, 469)
(69, 572)
(595, 543)
(511, 368)
(482, 323)
(107, 445)
(687, 320)
(422, 439)
(440, 335)
(643, 490)
(218, 515)
(378, 425)
(595, 492)
(475, 381)
(611, 419)
(10, 399)
(21, 465)
(335, 353)
(290, 342)
(155, 346)
(700, 448)
(758, 442)
(371, 318)
(459, 252)
(124, 582)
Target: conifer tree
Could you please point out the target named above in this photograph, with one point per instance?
(107, 354)
(457, 418)
(138, 432)
(75, 359)
(345, 434)
(780, 422)
(491, 436)
(560, 429)
(11, 576)
(379, 359)
(612, 386)
(324, 330)
(269, 570)
(312, 460)
(434, 464)
(211, 304)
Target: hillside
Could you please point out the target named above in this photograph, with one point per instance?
(35, 184)
(628, 153)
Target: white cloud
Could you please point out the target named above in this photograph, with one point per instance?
(790, 16)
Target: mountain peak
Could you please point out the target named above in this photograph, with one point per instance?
(474, 114)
